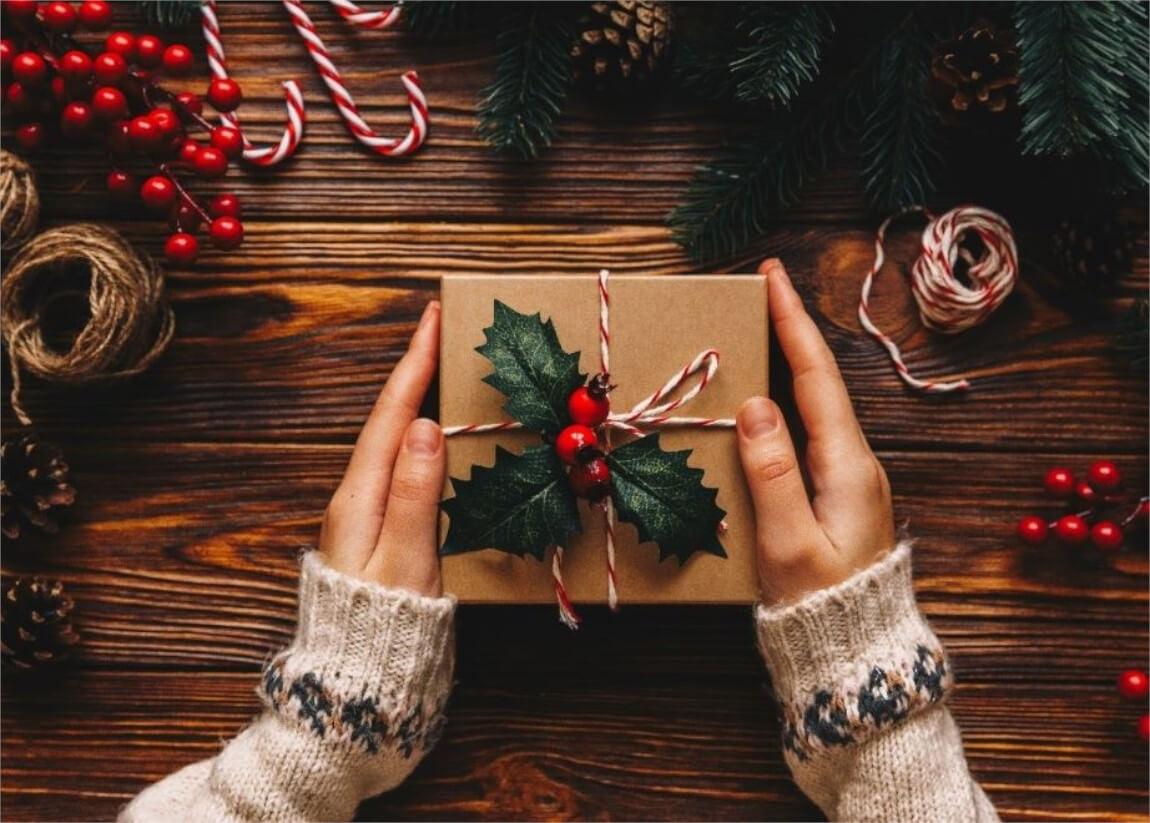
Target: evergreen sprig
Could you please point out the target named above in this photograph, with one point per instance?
(169, 14)
(785, 48)
(518, 112)
(433, 17)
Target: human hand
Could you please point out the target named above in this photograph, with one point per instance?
(809, 543)
(382, 522)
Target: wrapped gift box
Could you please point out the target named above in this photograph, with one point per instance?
(658, 325)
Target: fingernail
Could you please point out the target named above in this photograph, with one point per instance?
(757, 417)
(770, 266)
(428, 312)
(424, 436)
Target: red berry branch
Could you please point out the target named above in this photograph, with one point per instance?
(578, 445)
(1090, 501)
(112, 99)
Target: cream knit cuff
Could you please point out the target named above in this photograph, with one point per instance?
(369, 665)
(852, 659)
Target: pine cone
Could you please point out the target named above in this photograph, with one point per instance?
(33, 480)
(977, 69)
(1092, 252)
(622, 43)
(35, 623)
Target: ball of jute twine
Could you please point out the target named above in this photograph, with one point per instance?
(129, 321)
(19, 201)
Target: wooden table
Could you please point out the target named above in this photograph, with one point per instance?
(200, 481)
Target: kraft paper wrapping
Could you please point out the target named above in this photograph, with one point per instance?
(658, 325)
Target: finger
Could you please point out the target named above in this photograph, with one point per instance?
(405, 555)
(355, 515)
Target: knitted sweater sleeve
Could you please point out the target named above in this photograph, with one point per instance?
(349, 709)
(861, 681)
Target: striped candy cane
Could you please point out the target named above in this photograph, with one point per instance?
(367, 19)
(945, 303)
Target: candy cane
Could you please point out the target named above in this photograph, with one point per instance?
(367, 19)
(293, 99)
(385, 146)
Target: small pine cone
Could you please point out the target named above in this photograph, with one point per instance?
(36, 623)
(977, 70)
(622, 43)
(1092, 252)
(33, 481)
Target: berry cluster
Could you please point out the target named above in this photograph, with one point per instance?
(1093, 496)
(112, 99)
(1134, 684)
(578, 444)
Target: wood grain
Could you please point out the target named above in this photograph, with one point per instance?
(201, 481)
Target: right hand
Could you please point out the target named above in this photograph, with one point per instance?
(809, 543)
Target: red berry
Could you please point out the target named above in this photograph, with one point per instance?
(224, 94)
(1134, 684)
(589, 404)
(22, 10)
(58, 17)
(227, 233)
(59, 89)
(575, 442)
(189, 102)
(149, 51)
(188, 151)
(18, 97)
(1085, 492)
(210, 162)
(158, 192)
(121, 43)
(228, 140)
(181, 248)
(226, 205)
(119, 143)
(591, 479)
(95, 14)
(7, 52)
(110, 68)
(30, 136)
(76, 65)
(185, 217)
(1144, 727)
(1106, 536)
(177, 59)
(1071, 529)
(76, 119)
(121, 184)
(109, 103)
(165, 120)
(29, 68)
(1104, 475)
(1032, 530)
(144, 134)
(1059, 482)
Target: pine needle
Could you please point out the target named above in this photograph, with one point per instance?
(169, 14)
(786, 42)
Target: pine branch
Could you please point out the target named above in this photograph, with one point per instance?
(433, 17)
(1132, 149)
(519, 110)
(786, 44)
(701, 61)
(169, 14)
(899, 133)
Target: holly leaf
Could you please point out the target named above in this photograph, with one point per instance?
(665, 499)
(531, 368)
(521, 505)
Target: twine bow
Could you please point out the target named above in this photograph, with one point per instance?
(652, 411)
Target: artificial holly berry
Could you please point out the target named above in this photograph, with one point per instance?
(228, 140)
(121, 43)
(95, 14)
(7, 52)
(576, 443)
(185, 217)
(1085, 492)
(1134, 684)
(144, 134)
(227, 233)
(177, 59)
(29, 68)
(1104, 475)
(1071, 529)
(1032, 530)
(121, 184)
(110, 68)
(59, 17)
(210, 162)
(224, 94)
(1106, 536)
(158, 192)
(188, 151)
(75, 65)
(591, 480)
(75, 120)
(22, 10)
(149, 51)
(165, 120)
(226, 205)
(590, 404)
(181, 248)
(30, 136)
(59, 88)
(18, 97)
(119, 142)
(1144, 728)
(1059, 482)
(109, 103)
(189, 102)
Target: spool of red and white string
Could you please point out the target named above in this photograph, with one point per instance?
(946, 303)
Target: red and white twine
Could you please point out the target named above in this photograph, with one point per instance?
(652, 411)
(946, 304)
(341, 97)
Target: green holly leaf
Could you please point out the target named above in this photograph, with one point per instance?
(665, 499)
(531, 368)
(521, 505)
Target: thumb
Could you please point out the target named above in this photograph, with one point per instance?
(406, 554)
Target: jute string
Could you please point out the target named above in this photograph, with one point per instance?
(19, 201)
(129, 321)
